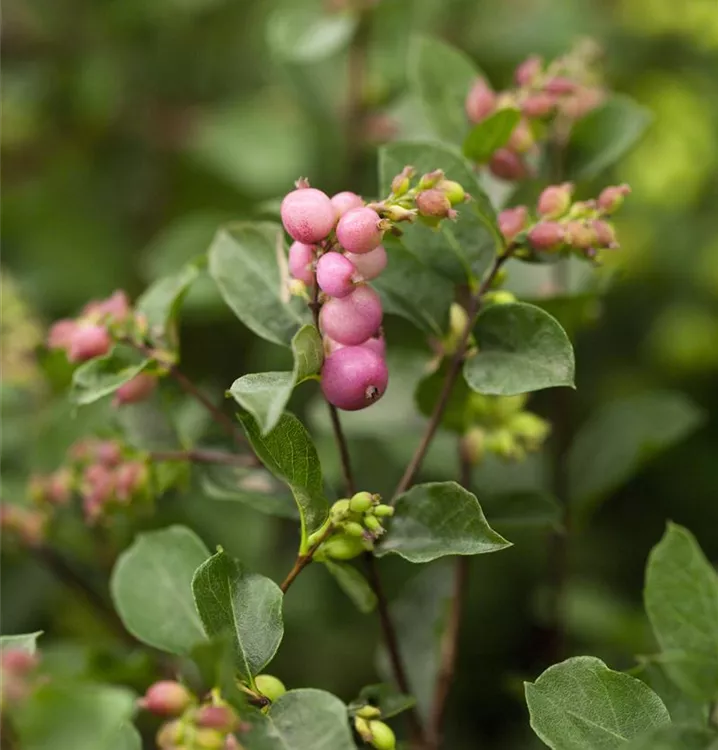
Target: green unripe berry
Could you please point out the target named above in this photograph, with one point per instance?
(430, 179)
(343, 547)
(373, 524)
(270, 686)
(339, 510)
(361, 502)
(208, 739)
(499, 297)
(369, 712)
(383, 737)
(362, 727)
(381, 511)
(453, 191)
(170, 734)
(353, 528)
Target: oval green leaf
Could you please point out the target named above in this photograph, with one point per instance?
(102, 376)
(490, 135)
(24, 642)
(353, 584)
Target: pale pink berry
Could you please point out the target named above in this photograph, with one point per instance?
(59, 487)
(512, 221)
(135, 390)
(308, 215)
(129, 478)
(528, 70)
(301, 257)
(335, 274)
(354, 377)
(605, 233)
(538, 105)
(480, 101)
(107, 452)
(546, 235)
(522, 138)
(371, 264)
(580, 234)
(166, 698)
(560, 85)
(352, 320)
(555, 200)
(216, 717)
(611, 198)
(61, 333)
(585, 100)
(115, 308)
(375, 343)
(345, 201)
(507, 165)
(358, 231)
(88, 341)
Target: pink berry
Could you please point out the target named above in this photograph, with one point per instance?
(611, 198)
(582, 102)
(301, 257)
(216, 717)
(546, 235)
(87, 342)
(334, 275)
(512, 221)
(555, 200)
(560, 85)
(345, 201)
(371, 264)
(115, 308)
(375, 343)
(507, 165)
(308, 215)
(433, 203)
(61, 333)
(166, 698)
(358, 230)
(107, 452)
(522, 138)
(352, 320)
(605, 234)
(135, 390)
(354, 377)
(480, 101)
(129, 478)
(580, 234)
(528, 70)
(538, 105)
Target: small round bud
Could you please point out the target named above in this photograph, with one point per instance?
(521, 139)
(369, 712)
(530, 427)
(166, 698)
(513, 221)
(208, 739)
(383, 737)
(17, 661)
(170, 735)
(560, 85)
(499, 297)
(359, 231)
(546, 235)
(373, 524)
(583, 101)
(269, 686)
(538, 105)
(580, 234)
(108, 452)
(453, 191)
(339, 510)
(369, 265)
(343, 547)
(216, 717)
(353, 528)
(129, 479)
(528, 71)
(345, 201)
(114, 309)
(480, 101)
(433, 203)
(362, 728)
(502, 443)
(353, 319)
(605, 233)
(398, 213)
(507, 165)
(383, 511)
(60, 334)
(473, 445)
(135, 390)
(88, 341)
(308, 215)
(301, 257)
(611, 198)
(555, 200)
(334, 275)
(59, 487)
(361, 502)
(400, 184)
(431, 179)
(354, 377)
(297, 288)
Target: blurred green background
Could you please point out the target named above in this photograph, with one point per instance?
(131, 130)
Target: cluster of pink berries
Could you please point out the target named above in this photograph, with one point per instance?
(561, 224)
(560, 93)
(93, 333)
(17, 676)
(25, 525)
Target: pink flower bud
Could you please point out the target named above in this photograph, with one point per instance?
(528, 71)
(512, 221)
(89, 341)
(166, 698)
(345, 201)
(560, 85)
(113, 309)
(353, 319)
(521, 139)
(605, 233)
(546, 235)
(59, 487)
(98, 483)
(133, 391)
(107, 452)
(17, 661)
(580, 234)
(371, 264)
(585, 100)
(611, 198)
(480, 101)
(301, 257)
(61, 333)
(354, 377)
(538, 105)
(129, 479)
(401, 182)
(308, 215)
(358, 231)
(216, 717)
(434, 203)
(335, 274)
(555, 200)
(507, 165)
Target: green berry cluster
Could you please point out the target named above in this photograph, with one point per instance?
(374, 732)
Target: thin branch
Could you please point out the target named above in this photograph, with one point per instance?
(454, 369)
(355, 109)
(205, 456)
(303, 560)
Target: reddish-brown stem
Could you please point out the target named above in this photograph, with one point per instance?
(303, 560)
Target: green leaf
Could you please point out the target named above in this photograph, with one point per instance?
(621, 437)
(305, 719)
(78, 716)
(246, 605)
(161, 301)
(676, 738)
(289, 453)
(440, 76)
(681, 597)
(521, 349)
(581, 704)
(461, 249)
(244, 261)
(457, 416)
(151, 587)
(264, 395)
(102, 376)
(605, 136)
(353, 584)
(24, 642)
(438, 519)
(127, 738)
(410, 289)
(385, 698)
(214, 660)
(530, 509)
(490, 135)
(682, 708)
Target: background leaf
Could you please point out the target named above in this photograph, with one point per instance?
(102, 376)
(490, 135)
(521, 349)
(151, 587)
(522, 510)
(681, 597)
(386, 698)
(246, 605)
(581, 704)
(438, 519)
(289, 453)
(25, 641)
(264, 395)
(353, 584)
(243, 261)
(682, 707)
(457, 416)
(621, 437)
(676, 738)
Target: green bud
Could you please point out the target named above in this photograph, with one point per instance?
(400, 183)
(398, 213)
(502, 443)
(170, 734)
(369, 712)
(473, 445)
(362, 727)
(503, 407)
(430, 179)
(382, 737)
(453, 191)
(208, 739)
(353, 528)
(343, 547)
(270, 686)
(383, 510)
(530, 427)
(499, 297)
(373, 524)
(361, 502)
(339, 510)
